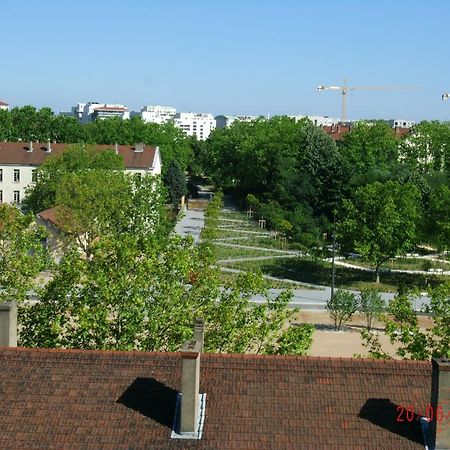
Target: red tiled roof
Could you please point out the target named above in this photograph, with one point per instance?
(54, 399)
(50, 215)
(337, 132)
(17, 153)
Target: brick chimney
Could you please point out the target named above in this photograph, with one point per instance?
(440, 402)
(189, 415)
(8, 324)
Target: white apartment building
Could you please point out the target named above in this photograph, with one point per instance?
(320, 121)
(195, 124)
(19, 161)
(90, 111)
(226, 120)
(401, 123)
(4, 106)
(156, 114)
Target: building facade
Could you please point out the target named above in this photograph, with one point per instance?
(19, 162)
(195, 124)
(401, 123)
(226, 120)
(91, 111)
(156, 114)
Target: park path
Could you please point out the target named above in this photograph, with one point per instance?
(305, 295)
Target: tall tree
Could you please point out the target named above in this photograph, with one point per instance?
(42, 195)
(22, 255)
(175, 181)
(381, 221)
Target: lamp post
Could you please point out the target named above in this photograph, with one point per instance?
(333, 271)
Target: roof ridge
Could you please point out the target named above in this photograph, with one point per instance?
(241, 356)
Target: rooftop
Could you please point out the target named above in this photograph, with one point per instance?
(19, 153)
(122, 400)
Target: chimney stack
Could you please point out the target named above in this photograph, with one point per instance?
(8, 324)
(139, 147)
(440, 403)
(190, 411)
(116, 148)
(49, 147)
(30, 147)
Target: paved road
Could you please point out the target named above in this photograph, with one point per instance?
(191, 224)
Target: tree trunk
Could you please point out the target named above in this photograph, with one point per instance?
(377, 272)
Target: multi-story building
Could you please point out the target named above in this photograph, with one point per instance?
(226, 120)
(195, 124)
(89, 112)
(4, 105)
(401, 123)
(320, 121)
(19, 162)
(156, 114)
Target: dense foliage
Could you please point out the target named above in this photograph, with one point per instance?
(126, 282)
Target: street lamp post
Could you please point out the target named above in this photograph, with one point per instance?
(333, 271)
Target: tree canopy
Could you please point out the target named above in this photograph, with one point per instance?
(381, 221)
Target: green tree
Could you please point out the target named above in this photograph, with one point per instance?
(175, 181)
(438, 219)
(381, 221)
(341, 307)
(102, 203)
(403, 328)
(371, 153)
(42, 195)
(426, 149)
(371, 305)
(22, 255)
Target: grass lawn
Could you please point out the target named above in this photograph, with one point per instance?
(404, 264)
(319, 272)
(223, 252)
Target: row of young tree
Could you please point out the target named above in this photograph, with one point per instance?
(388, 193)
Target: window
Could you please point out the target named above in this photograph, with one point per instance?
(1, 196)
(33, 175)
(1, 174)
(16, 175)
(16, 196)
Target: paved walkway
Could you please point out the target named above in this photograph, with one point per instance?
(308, 296)
(191, 223)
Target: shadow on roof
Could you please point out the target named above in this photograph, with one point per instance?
(152, 399)
(392, 417)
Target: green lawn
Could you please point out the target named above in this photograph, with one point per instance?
(404, 264)
(223, 252)
(319, 272)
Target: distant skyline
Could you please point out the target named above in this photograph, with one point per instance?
(236, 57)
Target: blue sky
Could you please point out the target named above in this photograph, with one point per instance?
(245, 57)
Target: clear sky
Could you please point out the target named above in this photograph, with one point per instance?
(228, 57)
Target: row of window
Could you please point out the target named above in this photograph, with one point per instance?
(16, 175)
(16, 197)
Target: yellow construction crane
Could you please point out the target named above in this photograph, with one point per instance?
(346, 89)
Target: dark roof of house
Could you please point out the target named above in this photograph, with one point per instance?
(3, 103)
(77, 399)
(18, 153)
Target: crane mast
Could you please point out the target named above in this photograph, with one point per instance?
(345, 89)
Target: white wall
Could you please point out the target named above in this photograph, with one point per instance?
(198, 125)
